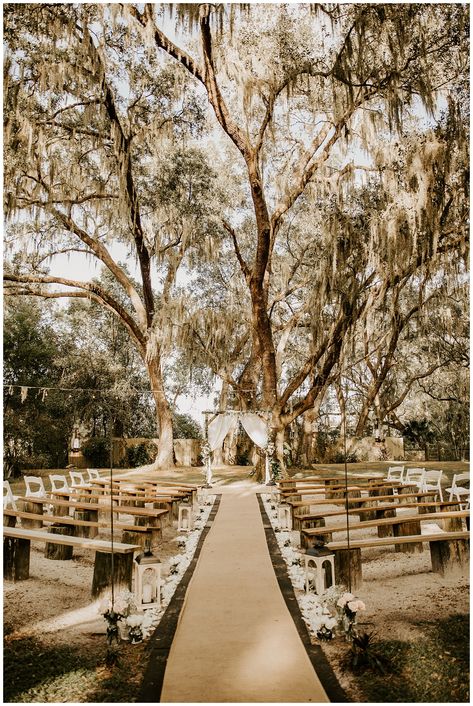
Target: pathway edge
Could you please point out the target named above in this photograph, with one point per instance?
(161, 640)
(319, 661)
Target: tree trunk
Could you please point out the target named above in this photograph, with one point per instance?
(165, 457)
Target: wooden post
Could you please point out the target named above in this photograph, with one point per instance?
(154, 528)
(448, 555)
(405, 529)
(314, 540)
(353, 494)
(123, 570)
(84, 530)
(35, 508)
(451, 524)
(59, 551)
(16, 558)
(348, 566)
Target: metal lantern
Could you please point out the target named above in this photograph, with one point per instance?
(147, 580)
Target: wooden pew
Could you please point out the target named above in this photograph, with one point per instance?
(451, 521)
(16, 556)
(371, 510)
(448, 551)
(132, 534)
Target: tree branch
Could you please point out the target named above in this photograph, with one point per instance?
(88, 290)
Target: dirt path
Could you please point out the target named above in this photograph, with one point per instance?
(236, 641)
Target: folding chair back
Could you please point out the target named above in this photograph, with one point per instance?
(34, 487)
(77, 479)
(58, 482)
(8, 497)
(93, 474)
(395, 473)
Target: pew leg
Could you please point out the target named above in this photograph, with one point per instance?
(59, 551)
(16, 558)
(448, 555)
(122, 570)
(348, 571)
(406, 529)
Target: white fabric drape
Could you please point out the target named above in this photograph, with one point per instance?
(256, 429)
(219, 428)
(254, 426)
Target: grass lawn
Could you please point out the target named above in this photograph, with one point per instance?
(432, 669)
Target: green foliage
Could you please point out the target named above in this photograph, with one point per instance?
(141, 454)
(339, 457)
(37, 429)
(185, 427)
(419, 431)
(363, 654)
(97, 451)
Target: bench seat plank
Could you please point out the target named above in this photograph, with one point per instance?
(100, 507)
(99, 545)
(66, 520)
(387, 521)
(386, 541)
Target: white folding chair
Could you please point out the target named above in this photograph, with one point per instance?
(9, 500)
(93, 474)
(460, 489)
(395, 473)
(414, 475)
(58, 482)
(34, 487)
(77, 479)
(431, 481)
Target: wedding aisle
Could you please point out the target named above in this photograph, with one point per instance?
(236, 641)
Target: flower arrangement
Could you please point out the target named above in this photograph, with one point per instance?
(135, 632)
(205, 452)
(123, 606)
(333, 613)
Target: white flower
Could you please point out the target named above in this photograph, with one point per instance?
(134, 620)
(355, 606)
(344, 598)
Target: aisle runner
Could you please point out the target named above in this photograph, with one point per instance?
(236, 641)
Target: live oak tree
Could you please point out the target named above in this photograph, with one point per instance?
(311, 101)
(98, 152)
(293, 96)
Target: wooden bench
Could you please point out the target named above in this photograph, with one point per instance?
(372, 511)
(94, 508)
(125, 499)
(293, 482)
(296, 504)
(16, 556)
(448, 551)
(389, 527)
(131, 534)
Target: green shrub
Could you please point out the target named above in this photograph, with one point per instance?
(97, 451)
(339, 457)
(141, 454)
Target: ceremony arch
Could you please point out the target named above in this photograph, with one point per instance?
(224, 422)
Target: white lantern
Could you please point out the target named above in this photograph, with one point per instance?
(147, 580)
(184, 521)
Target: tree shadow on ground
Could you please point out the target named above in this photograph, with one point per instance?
(432, 669)
(37, 672)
